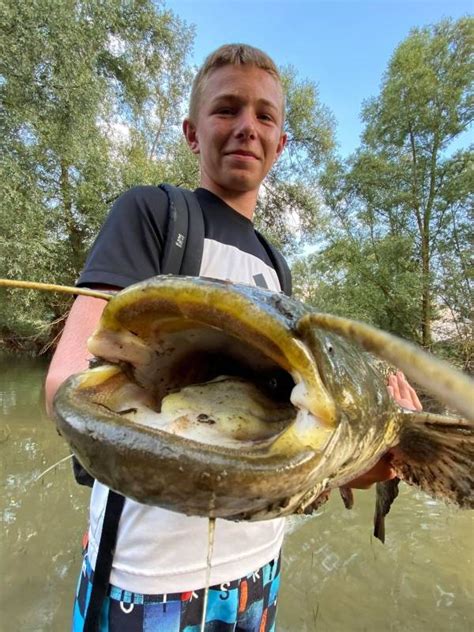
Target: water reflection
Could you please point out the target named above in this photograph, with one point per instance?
(42, 520)
(421, 579)
(336, 577)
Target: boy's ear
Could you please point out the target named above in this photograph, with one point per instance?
(281, 145)
(189, 131)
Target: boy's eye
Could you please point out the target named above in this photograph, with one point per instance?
(265, 116)
(225, 111)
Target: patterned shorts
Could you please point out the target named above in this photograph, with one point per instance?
(243, 605)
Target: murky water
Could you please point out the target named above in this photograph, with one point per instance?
(336, 577)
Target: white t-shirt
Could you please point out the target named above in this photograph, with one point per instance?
(160, 551)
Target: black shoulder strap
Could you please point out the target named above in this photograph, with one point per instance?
(184, 243)
(182, 254)
(191, 265)
(103, 564)
(279, 263)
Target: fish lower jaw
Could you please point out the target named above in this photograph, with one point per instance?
(224, 462)
(227, 412)
(306, 433)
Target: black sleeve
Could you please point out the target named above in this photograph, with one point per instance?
(130, 243)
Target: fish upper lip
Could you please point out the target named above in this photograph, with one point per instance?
(259, 316)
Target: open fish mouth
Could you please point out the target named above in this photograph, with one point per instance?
(206, 401)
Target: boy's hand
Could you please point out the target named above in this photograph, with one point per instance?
(402, 392)
(406, 397)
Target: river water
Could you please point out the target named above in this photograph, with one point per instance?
(336, 576)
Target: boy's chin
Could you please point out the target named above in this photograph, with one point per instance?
(242, 183)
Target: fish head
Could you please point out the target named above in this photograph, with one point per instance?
(210, 400)
(351, 376)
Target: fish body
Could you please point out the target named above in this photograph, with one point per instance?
(223, 400)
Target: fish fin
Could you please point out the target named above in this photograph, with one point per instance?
(309, 507)
(386, 493)
(436, 453)
(347, 496)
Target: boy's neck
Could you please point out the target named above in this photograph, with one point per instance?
(242, 202)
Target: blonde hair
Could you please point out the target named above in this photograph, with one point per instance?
(234, 55)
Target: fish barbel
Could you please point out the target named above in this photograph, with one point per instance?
(223, 400)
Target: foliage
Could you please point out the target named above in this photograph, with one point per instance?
(349, 278)
(398, 225)
(289, 206)
(74, 76)
(93, 95)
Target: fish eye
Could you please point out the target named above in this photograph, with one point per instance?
(330, 349)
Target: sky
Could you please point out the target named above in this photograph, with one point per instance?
(344, 46)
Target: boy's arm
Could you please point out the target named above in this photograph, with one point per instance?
(71, 355)
(406, 397)
(127, 250)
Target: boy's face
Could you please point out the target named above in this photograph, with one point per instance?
(238, 132)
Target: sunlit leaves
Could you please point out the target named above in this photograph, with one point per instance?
(399, 210)
(81, 82)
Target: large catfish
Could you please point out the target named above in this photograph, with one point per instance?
(222, 400)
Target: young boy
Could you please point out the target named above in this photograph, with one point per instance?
(235, 127)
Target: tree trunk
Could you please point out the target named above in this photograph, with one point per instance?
(74, 233)
(426, 296)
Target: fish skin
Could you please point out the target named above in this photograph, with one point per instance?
(357, 421)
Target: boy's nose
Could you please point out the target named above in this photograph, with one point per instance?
(245, 126)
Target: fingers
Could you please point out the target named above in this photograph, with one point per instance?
(394, 387)
(405, 392)
(415, 402)
(408, 394)
(402, 392)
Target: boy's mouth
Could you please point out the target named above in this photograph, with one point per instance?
(243, 155)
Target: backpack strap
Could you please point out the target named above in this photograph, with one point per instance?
(191, 265)
(182, 254)
(184, 242)
(103, 565)
(279, 263)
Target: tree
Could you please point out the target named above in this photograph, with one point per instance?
(72, 76)
(290, 200)
(400, 204)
